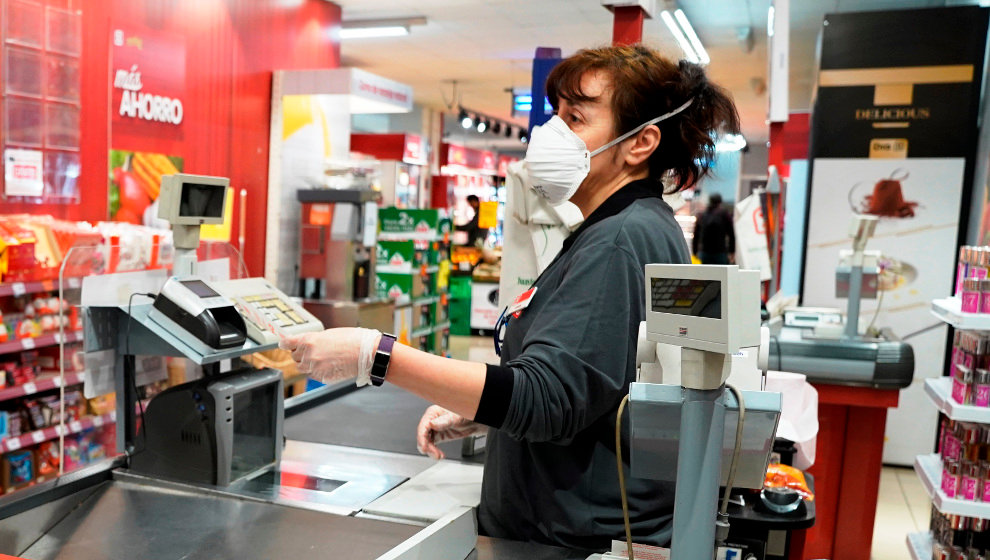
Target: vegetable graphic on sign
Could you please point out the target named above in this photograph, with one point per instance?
(135, 183)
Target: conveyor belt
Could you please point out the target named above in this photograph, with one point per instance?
(382, 418)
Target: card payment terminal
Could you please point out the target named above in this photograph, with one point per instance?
(189, 304)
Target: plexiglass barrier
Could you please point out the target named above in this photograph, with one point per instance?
(57, 409)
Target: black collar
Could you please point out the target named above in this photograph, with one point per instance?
(619, 201)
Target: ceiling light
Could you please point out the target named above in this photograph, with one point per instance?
(523, 137)
(464, 119)
(390, 27)
(699, 49)
(689, 53)
(482, 125)
(730, 143)
(369, 32)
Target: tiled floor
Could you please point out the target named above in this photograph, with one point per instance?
(902, 506)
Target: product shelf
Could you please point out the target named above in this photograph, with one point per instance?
(950, 311)
(42, 384)
(939, 390)
(422, 331)
(920, 546)
(50, 433)
(39, 342)
(21, 288)
(929, 469)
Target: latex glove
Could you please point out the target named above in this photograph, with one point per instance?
(439, 424)
(334, 354)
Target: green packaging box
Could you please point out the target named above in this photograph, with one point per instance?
(409, 221)
(398, 286)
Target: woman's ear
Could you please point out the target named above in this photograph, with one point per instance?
(643, 145)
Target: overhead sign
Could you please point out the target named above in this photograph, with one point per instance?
(378, 90)
(148, 83)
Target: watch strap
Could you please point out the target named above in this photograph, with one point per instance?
(383, 356)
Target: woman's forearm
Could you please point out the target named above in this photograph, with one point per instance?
(453, 384)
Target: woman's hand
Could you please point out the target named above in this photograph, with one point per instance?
(439, 424)
(334, 354)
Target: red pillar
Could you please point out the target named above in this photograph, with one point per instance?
(627, 28)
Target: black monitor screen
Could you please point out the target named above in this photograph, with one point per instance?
(254, 430)
(682, 296)
(199, 288)
(201, 201)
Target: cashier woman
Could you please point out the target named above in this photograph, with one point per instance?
(628, 123)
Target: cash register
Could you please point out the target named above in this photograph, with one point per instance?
(227, 425)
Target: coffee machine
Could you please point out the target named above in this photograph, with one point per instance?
(338, 229)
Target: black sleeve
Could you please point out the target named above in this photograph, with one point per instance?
(495, 396)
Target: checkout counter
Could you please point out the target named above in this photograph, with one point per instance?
(223, 467)
(211, 468)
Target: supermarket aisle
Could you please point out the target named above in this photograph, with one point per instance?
(902, 507)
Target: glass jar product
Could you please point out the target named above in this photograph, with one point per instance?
(970, 481)
(981, 388)
(951, 478)
(986, 481)
(970, 299)
(978, 263)
(962, 268)
(962, 385)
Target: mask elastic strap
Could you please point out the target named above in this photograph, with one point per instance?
(662, 117)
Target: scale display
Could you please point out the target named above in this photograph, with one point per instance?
(682, 296)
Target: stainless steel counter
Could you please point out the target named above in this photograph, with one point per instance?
(126, 520)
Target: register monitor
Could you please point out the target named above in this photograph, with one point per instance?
(214, 430)
(711, 308)
(189, 201)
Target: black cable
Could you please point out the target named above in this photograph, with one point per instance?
(129, 366)
(922, 331)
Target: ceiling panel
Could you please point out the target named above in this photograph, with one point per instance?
(488, 45)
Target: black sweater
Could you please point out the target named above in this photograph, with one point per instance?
(567, 362)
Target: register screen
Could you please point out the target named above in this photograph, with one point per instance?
(682, 296)
(201, 201)
(254, 430)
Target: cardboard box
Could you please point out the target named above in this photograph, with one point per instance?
(406, 256)
(413, 222)
(401, 287)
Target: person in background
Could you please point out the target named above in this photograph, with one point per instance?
(476, 235)
(714, 237)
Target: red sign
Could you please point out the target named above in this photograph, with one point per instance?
(414, 152)
(478, 160)
(148, 84)
(27, 172)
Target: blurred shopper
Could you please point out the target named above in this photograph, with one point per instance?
(714, 237)
(476, 235)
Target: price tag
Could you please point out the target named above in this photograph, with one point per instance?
(60, 430)
(13, 444)
(28, 343)
(38, 437)
(18, 288)
(75, 426)
(58, 338)
(30, 388)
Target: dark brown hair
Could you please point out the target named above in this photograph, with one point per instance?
(645, 85)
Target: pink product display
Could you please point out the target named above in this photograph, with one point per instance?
(970, 369)
(973, 278)
(965, 448)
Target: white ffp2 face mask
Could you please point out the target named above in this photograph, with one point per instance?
(558, 160)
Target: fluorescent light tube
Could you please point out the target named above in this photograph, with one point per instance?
(368, 32)
(699, 49)
(679, 36)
